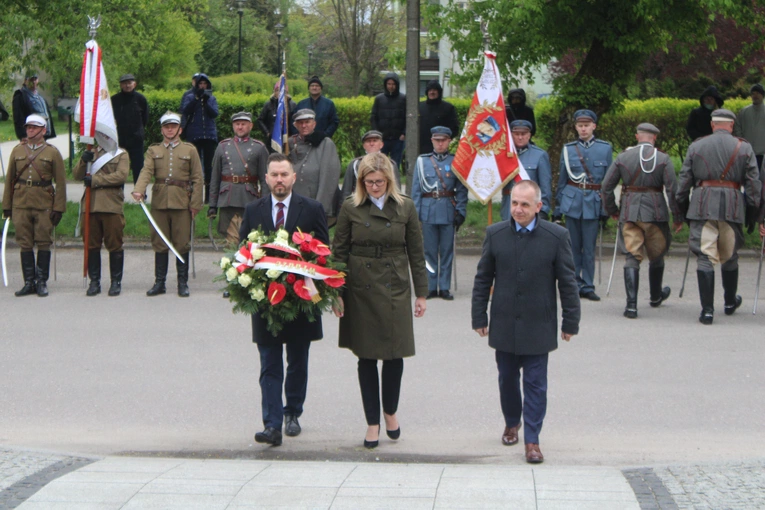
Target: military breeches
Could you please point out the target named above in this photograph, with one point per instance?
(229, 221)
(106, 228)
(640, 239)
(716, 242)
(439, 253)
(33, 226)
(176, 225)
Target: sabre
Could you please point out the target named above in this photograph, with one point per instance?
(210, 234)
(685, 273)
(193, 258)
(600, 253)
(454, 262)
(756, 289)
(2, 162)
(55, 273)
(429, 268)
(613, 261)
(159, 232)
(2, 251)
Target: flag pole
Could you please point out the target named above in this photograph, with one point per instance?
(286, 128)
(93, 24)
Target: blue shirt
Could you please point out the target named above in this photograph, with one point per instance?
(531, 226)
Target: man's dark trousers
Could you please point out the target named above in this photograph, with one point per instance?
(136, 153)
(533, 406)
(272, 378)
(394, 149)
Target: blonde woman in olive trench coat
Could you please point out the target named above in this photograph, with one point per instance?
(378, 235)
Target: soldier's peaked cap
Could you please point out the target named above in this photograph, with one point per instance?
(170, 118)
(440, 132)
(242, 116)
(723, 115)
(647, 127)
(36, 120)
(585, 115)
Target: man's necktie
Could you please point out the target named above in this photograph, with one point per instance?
(524, 230)
(279, 215)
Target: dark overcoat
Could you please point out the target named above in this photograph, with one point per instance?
(524, 269)
(303, 213)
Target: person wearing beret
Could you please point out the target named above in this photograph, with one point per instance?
(750, 123)
(131, 113)
(535, 161)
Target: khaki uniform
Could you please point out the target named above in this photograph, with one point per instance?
(107, 197)
(31, 203)
(178, 181)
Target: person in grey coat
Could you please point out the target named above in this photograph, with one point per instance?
(524, 259)
(378, 236)
(645, 172)
(716, 167)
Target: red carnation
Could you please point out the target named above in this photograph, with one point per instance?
(291, 278)
(276, 293)
(322, 261)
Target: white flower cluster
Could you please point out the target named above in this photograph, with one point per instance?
(257, 294)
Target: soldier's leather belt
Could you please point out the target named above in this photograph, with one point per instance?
(642, 189)
(35, 184)
(237, 179)
(438, 194)
(376, 251)
(720, 184)
(181, 184)
(584, 185)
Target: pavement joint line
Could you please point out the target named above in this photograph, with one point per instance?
(534, 484)
(650, 491)
(16, 494)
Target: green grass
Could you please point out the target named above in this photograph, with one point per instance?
(7, 131)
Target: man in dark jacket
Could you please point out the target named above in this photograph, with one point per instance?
(700, 120)
(3, 112)
(26, 101)
(516, 109)
(525, 253)
(199, 109)
(267, 117)
(326, 114)
(389, 118)
(434, 111)
(131, 113)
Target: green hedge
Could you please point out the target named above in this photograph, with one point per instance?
(243, 83)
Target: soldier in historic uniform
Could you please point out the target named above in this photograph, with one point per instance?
(176, 199)
(583, 165)
(372, 142)
(33, 204)
(106, 181)
(645, 172)
(535, 161)
(441, 202)
(238, 177)
(716, 167)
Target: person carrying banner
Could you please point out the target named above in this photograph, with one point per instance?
(583, 165)
(176, 199)
(267, 117)
(31, 201)
(645, 172)
(441, 202)
(537, 165)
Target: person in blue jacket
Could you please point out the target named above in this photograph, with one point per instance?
(326, 114)
(199, 108)
(535, 161)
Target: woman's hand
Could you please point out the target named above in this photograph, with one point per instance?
(339, 309)
(419, 306)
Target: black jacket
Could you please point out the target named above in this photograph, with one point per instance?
(267, 118)
(389, 111)
(22, 109)
(435, 112)
(520, 111)
(3, 112)
(131, 113)
(700, 120)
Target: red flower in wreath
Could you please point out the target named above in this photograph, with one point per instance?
(322, 261)
(300, 237)
(276, 293)
(306, 246)
(301, 290)
(334, 282)
(291, 278)
(320, 248)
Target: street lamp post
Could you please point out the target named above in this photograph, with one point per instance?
(240, 10)
(310, 54)
(279, 27)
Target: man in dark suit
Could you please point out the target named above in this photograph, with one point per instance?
(523, 258)
(283, 209)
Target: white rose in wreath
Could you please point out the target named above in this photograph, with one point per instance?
(231, 274)
(245, 280)
(257, 294)
(273, 273)
(225, 262)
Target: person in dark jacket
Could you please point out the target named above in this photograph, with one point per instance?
(700, 120)
(131, 113)
(326, 114)
(267, 116)
(516, 109)
(3, 112)
(434, 111)
(26, 101)
(389, 118)
(200, 108)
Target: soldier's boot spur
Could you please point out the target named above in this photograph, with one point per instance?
(160, 275)
(28, 270)
(43, 271)
(631, 281)
(94, 272)
(659, 294)
(730, 285)
(707, 296)
(116, 263)
(183, 275)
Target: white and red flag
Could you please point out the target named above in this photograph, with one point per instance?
(94, 107)
(486, 159)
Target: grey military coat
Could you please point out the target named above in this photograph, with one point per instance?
(228, 161)
(317, 169)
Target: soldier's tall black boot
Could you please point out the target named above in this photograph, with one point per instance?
(28, 270)
(183, 275)
(94, 272)
(707, 296)
(43, 271)
(659, 294)
(160, 275)
(730, 285)
(116, 263)
(631, 281)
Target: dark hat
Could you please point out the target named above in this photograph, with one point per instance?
(241, 116)
(127, 77)
(647, 127)
(31, 74)
(371, 134)
(315, 79)
(723, 115)
(303, 114)
(757, 88)
(520, 125)
(585, 115)
(440, 132)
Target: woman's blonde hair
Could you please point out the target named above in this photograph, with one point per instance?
(376, 162)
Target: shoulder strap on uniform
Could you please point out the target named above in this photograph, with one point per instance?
(731, 160)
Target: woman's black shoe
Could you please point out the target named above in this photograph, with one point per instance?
(372, 444)
(393, 434)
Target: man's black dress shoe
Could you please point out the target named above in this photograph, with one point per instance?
(590, 295)
(291, 425)
(432, 294)
(445, 294)
(269, 436)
